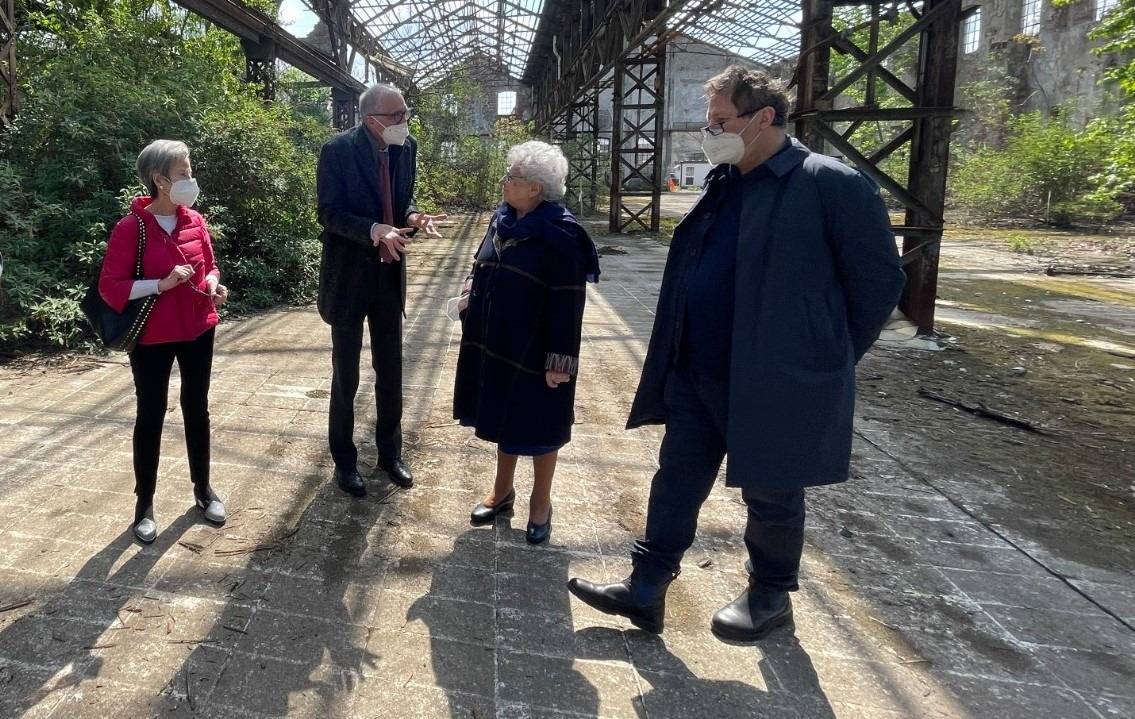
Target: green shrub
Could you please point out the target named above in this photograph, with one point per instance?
(1046, 172)
(100, 83)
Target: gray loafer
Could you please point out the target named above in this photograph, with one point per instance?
(211, 506)
(213, 509)
(146, 530)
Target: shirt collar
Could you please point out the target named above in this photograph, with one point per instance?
(791, 154)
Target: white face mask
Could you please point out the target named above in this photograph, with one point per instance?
(395, 134)
(728, 148)
(184, 192)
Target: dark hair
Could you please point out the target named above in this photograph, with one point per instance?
(750, 90)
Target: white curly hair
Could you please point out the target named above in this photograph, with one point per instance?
(542, 163)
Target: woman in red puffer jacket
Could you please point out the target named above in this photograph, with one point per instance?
(179, 267)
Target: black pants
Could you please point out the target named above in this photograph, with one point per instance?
(384, 318)
(691, 455)
(151, 365)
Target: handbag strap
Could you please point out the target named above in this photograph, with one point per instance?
(141, 246)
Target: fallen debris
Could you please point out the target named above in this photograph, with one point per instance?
(17, 605)
(981, 410)
(1089, 270)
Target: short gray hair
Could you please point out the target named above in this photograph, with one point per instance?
(542, 163)
(750, 90)
(371, 99)
(156, 158)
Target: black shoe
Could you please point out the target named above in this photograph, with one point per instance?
(483, 514)
(751, 616)
(539, 533)
(642, 603)
(398, 472)
(350, 482)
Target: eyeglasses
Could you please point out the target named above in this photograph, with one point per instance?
(398, 117)
(509, 177)
(719, 127)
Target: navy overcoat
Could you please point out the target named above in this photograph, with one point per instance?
(817, 276)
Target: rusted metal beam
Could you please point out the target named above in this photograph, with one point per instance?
(812, 70)
(930, 155)
(9, 87)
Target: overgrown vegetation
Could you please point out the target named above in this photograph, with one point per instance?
(457, 169)
(1038, 167)
(102, 78)
(100, 81)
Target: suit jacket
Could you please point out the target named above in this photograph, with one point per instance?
(348, 192)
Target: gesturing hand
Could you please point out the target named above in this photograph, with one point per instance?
(394, 239)
(178, 275)
(555, 379)
(427, 223)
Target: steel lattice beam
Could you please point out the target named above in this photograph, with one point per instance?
(636, 139)
(924, 124)
(582, 146)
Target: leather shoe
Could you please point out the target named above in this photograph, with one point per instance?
(210, 505)
(145, 528)
(644, 604)
(483, 514)
(751, 616)
(539, 533)
(350, 482)
(398, 472)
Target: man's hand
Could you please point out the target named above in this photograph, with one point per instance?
(394, 239)
(426, 223)
(555, 379)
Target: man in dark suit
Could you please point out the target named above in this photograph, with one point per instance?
(366, 206)
(777, 283)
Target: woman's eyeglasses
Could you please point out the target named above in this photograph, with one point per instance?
(509, 177)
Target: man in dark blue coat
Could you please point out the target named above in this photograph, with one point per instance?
(777, 282)
(365, 185)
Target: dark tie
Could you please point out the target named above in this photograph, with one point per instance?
(384, 196)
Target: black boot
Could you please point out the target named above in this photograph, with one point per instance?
(642, 602)
(754, 614)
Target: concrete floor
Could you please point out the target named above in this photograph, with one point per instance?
(312, 604)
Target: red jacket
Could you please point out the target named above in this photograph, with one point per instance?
(182, 314)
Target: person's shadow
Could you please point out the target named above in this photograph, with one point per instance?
(675, 691)
(288, 640)
(59, 643)
(525, 636)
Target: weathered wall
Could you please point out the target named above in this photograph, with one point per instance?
(1054, 68)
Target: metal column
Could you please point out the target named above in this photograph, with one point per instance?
(636, 138)
(260, 65)
(345, 108)
(582, 149)
(929, 160)
(9, 99)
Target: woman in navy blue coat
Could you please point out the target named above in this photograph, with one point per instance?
(521, 330)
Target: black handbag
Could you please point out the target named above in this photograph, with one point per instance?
(120, 330)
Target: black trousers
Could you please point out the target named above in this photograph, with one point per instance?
(384, 318)
(697, 410)
(151, 366)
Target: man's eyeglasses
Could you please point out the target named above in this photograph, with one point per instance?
(397, 117)
(719, 127)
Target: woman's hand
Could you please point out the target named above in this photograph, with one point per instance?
(555, 379)
(180, 274)
(220, 295)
